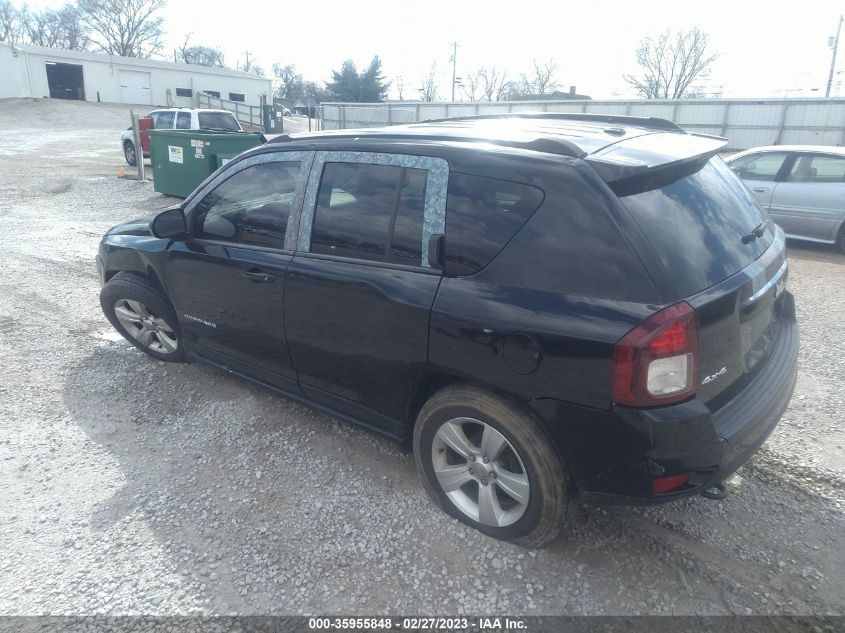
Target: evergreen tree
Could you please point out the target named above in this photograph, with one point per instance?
(345, 84)
(349, 85)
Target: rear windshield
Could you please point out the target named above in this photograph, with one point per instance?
(218, 121)
(696, 226)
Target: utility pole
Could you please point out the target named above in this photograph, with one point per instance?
(246, 68)
(833, 57)
(454, 60)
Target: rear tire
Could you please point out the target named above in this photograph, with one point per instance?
(143, 316)
(129, 153)
(487, 462)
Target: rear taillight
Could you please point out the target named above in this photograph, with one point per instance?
(655, 363)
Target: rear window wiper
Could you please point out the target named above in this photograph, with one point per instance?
(755, 233)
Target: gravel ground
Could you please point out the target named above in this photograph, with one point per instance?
(132, 486)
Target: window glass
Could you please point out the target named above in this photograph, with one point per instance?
(696, 226)
(482, 215)
(817, 168)
(184, 92)
(358, 205)
(165, 120)
(406, 240)
(236, 96)
(218, 121)
(154, 116)
(183, 121)
(763, 167)
(251, 207)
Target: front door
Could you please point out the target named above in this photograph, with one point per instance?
(227, 282)
(359, 288)
(811, 200)
(759, 172)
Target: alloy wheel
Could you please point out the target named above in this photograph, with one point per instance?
(480, 471)
(149, 330)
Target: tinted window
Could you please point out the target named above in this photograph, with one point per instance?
(759, 166)
(165, 120)
(482, 215)
(184, 92)
(817, 168)
(183, 121)
(236, 96)
(218, 121)
(251, 207)
(370, 212)
(696, 225)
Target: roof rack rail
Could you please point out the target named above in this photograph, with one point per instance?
(546, 145)
(611, 119)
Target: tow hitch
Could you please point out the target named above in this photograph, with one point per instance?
(717, 492)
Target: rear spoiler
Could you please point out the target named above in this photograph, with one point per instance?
(651, 161)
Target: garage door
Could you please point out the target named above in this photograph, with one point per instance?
(135, 87)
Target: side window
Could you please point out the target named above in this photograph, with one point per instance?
(763, 167)
(372, 212)
(482, 215)
(165, 120)
(183, 121)
(251, 207)
(154, 116)
(818, 168)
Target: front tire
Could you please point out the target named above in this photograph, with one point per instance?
(129, 153)
(487, 462)
(143, 316)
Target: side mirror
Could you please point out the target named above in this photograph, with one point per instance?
(170, 223)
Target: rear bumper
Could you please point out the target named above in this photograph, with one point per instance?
(689, 438)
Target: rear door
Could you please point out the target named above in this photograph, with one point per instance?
(359, 289)
(810, 202)
(701, 229)
(227, 282)
(760, 172)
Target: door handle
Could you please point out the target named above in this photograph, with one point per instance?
(259, 277)
(760, 189)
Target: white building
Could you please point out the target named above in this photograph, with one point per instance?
(33, 71)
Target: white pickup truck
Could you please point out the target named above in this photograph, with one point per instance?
(180, 119)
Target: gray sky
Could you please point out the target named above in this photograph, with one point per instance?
(767, 49)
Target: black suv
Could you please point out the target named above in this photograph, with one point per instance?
(541, 306)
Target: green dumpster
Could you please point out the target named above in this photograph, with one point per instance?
(182, 159)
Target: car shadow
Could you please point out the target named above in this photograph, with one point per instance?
(258, 505)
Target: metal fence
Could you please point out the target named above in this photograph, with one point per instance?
(745, 122)
(251, 115)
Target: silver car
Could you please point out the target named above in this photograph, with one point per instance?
(801, 186)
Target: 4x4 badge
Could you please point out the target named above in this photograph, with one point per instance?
(708, 379)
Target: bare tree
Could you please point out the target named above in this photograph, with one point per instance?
(486, 84)
(544, 81)
(428, 92)
(54, 29)
(130, 28)
(671, 63)
(199, 54)
(11, 25)
(471, 85)
(289, 84)
(494, 84)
